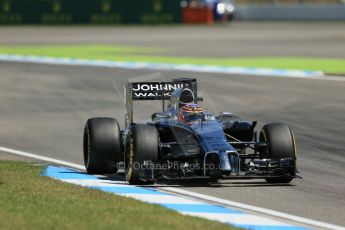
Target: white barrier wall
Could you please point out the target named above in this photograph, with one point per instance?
(290, 12)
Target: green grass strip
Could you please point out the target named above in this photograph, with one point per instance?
(154, 55)
(30, 201)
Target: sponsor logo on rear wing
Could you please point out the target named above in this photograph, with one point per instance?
(155, 90)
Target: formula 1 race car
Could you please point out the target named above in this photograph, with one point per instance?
(183, 141)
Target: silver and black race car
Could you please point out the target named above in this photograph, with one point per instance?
(210, 147)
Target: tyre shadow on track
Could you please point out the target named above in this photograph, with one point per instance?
(220, 184)
(201, 183)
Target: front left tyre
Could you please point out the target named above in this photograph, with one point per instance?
(281, 144)
(102, 145)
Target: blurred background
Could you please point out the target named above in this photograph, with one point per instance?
(164, 11)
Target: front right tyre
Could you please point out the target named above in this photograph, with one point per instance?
(142, 145)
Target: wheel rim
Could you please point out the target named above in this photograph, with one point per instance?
(87, 148)
(129, 158)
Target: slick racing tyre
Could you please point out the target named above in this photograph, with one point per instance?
(142, 145)
(280, 145)
(102, 145)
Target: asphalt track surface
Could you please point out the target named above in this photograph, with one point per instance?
(245, 39)
(43, 109)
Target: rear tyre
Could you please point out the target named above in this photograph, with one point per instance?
(280, 144)
(142, 146)
(102, 145)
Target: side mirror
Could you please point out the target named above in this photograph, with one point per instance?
(159, 116)
(208, 116)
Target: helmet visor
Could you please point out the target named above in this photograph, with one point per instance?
(192, 116)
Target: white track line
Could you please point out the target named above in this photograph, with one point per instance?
(195, 195)
(254, 208)
(265, 72)
(328, 78)
(42, 158)
(160, 66)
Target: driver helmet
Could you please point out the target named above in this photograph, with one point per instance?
(190, 113)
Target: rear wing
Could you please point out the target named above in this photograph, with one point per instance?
(153, 91)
